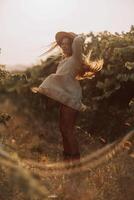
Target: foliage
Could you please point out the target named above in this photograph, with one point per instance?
(4, 117)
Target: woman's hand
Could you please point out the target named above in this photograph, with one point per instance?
(34, 89)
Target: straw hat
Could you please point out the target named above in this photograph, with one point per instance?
(60, 35)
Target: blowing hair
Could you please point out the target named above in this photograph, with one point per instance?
(52, 46)
(90, 64)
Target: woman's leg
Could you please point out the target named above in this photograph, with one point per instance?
(68, 118)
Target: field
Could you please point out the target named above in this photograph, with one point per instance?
(30, 141)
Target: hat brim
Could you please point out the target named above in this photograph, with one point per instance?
(60, 35)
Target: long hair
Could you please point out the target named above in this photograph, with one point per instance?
(52, 46)
(91, 64)
(94, 65)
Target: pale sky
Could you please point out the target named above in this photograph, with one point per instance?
(27, 26)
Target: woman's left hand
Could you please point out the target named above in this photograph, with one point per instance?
(34, 89)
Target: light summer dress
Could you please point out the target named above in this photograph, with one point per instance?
(63, 86)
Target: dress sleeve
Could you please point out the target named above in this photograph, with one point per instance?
(77, 47)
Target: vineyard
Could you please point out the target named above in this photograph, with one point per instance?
(110, 97)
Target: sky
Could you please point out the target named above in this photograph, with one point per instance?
(29, 26)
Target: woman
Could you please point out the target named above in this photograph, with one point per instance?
(65, 88)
